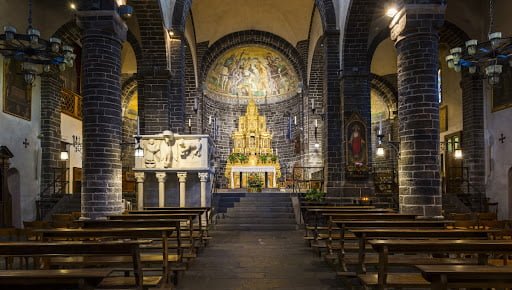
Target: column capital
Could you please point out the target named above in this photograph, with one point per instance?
(161, 176)
(140, 176)
(182, 176)
(103, 21)
(203, 176)
(425, 15)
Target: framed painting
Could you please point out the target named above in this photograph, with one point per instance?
(356, 147)
(443, 119)
(17, 94)
(502, 92)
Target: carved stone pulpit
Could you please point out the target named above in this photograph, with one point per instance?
(252, 151)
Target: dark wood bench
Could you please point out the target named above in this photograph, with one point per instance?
(443, 277)
(115, 233)
(107, 249)
(482, 248)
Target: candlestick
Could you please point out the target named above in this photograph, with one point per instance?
(190, 122)
(316, 123)
(294, 120)
(210, 120)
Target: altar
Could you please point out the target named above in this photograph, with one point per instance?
(252, 153)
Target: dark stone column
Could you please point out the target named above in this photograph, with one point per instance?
(51, 86)
(415, 32)
(103, 34)
(177, 92)
(473, 140)
(333, 146)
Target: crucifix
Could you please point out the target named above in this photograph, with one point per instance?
(502, 138)
(26, 143)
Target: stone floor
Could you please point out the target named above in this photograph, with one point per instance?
(257, 261)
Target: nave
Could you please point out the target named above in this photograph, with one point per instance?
(259, 260)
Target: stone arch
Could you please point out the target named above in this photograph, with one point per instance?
(386, 91)
(252, 37)
(129, 87)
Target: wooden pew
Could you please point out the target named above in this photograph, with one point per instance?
(199, 211)
(384, 279)
(186, 217)
(364, 235)
(442, 277)
(12, 279)
(118, 233)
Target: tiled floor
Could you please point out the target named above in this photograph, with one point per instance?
(257, 261)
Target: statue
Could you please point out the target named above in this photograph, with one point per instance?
(150, 153)
(165, 150)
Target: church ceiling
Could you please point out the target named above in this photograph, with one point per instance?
(251, 71)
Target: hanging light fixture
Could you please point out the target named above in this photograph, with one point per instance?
(36, 54)
(487, 57)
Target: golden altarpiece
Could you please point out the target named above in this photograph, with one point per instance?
(252, 152)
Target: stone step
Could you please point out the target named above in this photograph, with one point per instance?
(258, 198)
(259, 220)
(260, 209)
(255, 227)
(259, 214)
(245, 203)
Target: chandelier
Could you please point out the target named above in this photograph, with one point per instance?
(487, 57)
(34, 53)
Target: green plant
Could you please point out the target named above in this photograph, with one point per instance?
(263, 158)
(314, 195)
(273, 158)
(237, 157)
(254, 181)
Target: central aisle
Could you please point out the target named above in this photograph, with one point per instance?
(255, 260)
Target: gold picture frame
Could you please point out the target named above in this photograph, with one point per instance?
(443, 119)
(17, 95)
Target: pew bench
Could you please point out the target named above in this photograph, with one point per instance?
(43, 252)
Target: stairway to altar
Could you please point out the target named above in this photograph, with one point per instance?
(261, 211)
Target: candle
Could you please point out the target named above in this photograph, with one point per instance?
(210, 120)
(380, 125)
(316, 123)
(389, 137)
(312, 104)
(294, 120)
(195, 104)
(190, 122)
(276, 151)
(138, 126)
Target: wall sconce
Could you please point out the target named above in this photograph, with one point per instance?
(76, 143)
(380, 148)
(139, 152)
(189, 125)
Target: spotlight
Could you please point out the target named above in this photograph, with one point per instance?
(72, 6)
(392, 11)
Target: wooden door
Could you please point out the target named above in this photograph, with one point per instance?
(454, 170)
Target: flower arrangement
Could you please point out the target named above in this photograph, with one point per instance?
(237, 157)
(254, 182)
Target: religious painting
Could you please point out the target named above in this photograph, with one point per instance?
(502, 92)
(356, 152)
(17, 94)
(251, 71)
(443, 119)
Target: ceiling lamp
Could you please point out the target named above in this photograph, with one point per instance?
(488, 57)
(35, 54)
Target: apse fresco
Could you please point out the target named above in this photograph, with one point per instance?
(251, 71)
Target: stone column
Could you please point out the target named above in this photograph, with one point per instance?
(473, 140)
(161, 177)
(103, 32)
(415, 32)
(182, 177)
(203, 178)
(139, 177)
(51, 86)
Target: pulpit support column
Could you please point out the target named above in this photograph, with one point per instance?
(161, 177)
(139, 177)
(182, 177)
(203, 177)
